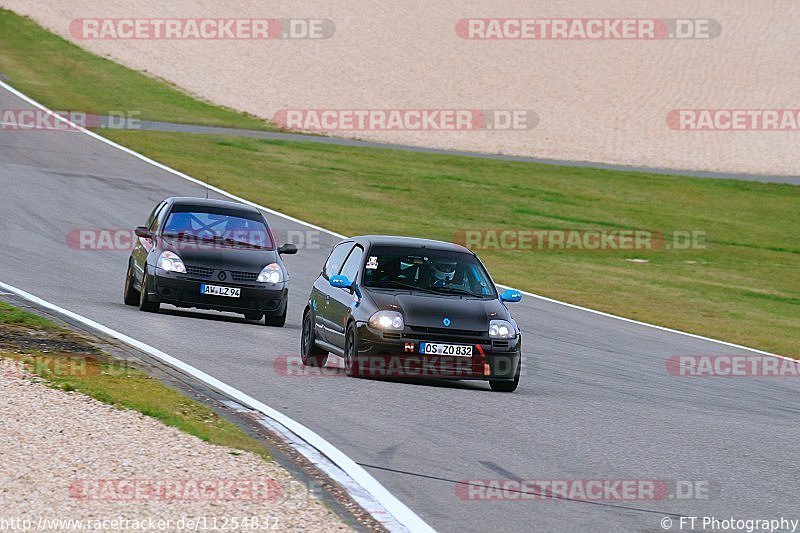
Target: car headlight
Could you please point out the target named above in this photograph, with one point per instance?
(272, 273)
(391, 320)
(171, 262)
(501, 329)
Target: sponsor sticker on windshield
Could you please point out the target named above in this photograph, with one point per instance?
(372, 263)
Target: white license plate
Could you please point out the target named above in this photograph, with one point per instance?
(216, 290)
(436, 348)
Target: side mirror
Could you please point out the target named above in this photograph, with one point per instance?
(340, 281)
(288, 249)
(143, 232)
(510, 295)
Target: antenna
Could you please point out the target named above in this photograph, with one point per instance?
(206, 186)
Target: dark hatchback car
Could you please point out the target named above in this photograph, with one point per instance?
(209, 254)
(405, 307)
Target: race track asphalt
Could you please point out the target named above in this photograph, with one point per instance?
(595, 401)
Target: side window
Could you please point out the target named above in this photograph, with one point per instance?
(353, 263)
(153, 214)
(335, 260)
(155, 223)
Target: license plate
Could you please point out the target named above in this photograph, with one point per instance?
(216, 290)
(436, 348)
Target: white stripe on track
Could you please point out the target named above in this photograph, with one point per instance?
(402, 514)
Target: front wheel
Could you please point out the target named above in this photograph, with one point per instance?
(507, 386)
(504, 386)
(277, 320)
(144, 302)
(351, 366)
(310, 353)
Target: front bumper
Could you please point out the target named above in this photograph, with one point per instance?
(389, 354)
(182, 290)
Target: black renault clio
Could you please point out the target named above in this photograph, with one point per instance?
(406, 307)
(209, 254)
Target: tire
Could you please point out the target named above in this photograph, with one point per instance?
(254, 315)
(351, 365)
(131, 295)
(506, 386)
(310, 353)
(144, 302)
(277, 321)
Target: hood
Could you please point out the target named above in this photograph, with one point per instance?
(221, 257)
(429, 310)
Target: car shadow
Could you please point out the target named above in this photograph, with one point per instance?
(338, 370)
(219, 316)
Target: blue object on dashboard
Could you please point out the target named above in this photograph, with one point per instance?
(340, 281)
(510, 295)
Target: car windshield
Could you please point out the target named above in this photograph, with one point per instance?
(223, 226)
(436, 271)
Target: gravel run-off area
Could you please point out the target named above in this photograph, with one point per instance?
(600, 100)
(65, 456)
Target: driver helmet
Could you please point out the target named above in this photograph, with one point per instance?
(444, 270)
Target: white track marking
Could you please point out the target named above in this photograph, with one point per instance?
(401, 513)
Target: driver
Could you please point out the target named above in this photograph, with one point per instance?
(179, 223)
(444, 272)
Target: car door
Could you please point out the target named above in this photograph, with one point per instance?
(142, 246)
(321, 291)
(341, 299)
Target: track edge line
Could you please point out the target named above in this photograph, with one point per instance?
(404, 518)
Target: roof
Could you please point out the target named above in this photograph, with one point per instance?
(210, 202)
(412, 242)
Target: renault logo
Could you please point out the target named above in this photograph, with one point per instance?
(222, 275)
(446, 322)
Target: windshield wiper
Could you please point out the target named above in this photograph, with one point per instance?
(228, 240)
(182, 235)
(215, 239)
(455, 290)
(402, 285)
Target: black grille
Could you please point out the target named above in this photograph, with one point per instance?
(447, 331)
(235, 275)
(444, 334)
(244, 276)
(200, 272)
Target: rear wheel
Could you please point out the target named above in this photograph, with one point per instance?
(144, 302)
(131, 295)
(310, 353)
(351, 366)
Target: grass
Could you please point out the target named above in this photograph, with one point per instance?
(66, 78)
(13, 315)
(743, 287)
(69, 362)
